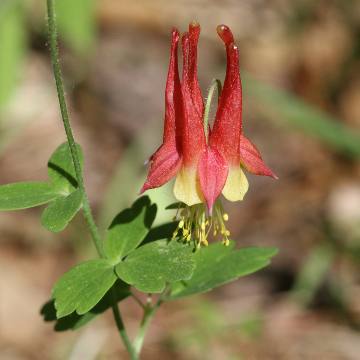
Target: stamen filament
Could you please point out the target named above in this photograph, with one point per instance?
(195, 224)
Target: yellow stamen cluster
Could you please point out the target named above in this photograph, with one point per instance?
(195, 224)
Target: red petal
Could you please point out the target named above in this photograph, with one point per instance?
(191, 128)
(213, 171)
(166, 160)
(165, 163)
(173, 98)
(225, 135)
(251, 159)
(194, 33)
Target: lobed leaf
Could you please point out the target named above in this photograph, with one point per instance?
(74, 321)
(61, 168)
(150, 267)
(61, 211)
(24, 195)
(82, 287)
(218, 264)
(129, 229)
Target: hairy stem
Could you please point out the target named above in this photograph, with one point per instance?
(75, 158)
(65, 117)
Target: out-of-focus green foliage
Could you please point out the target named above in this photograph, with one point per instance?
(12, 46)
(291, 110)
(77, 27)
(77, 23)
(313, 273)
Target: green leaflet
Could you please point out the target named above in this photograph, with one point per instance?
(218, 264)
(128, 229)
(61, 170)
(150, 267)
(82, 287)
(23, 195)
(74, 321)
(61, 192)
(61, 211)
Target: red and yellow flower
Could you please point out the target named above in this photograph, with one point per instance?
(206, 162)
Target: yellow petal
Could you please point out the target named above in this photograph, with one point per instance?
(186, 188)
(236, 184)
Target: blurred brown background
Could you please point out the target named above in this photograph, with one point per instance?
(300, 62)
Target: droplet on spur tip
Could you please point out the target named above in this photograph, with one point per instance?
(225, 217)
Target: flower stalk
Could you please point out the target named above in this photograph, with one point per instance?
(54, 52)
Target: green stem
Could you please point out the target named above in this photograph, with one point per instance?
(215, 84)
(122, 331)
(65, 117)
(149, 313)
(75, 158)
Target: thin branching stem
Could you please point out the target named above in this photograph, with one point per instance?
(75, 158)
(149, 312)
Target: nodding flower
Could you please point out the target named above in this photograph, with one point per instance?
(206, 162)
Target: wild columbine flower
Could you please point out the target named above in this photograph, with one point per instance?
(206, 162)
